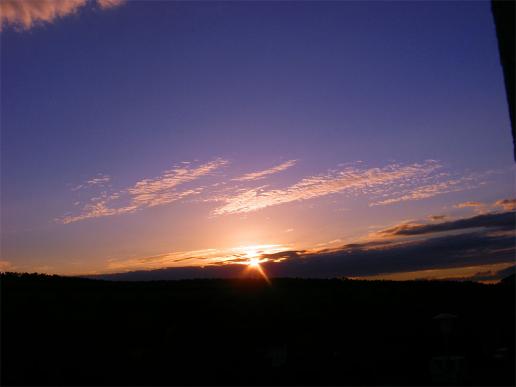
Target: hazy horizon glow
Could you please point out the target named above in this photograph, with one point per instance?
(367, 140)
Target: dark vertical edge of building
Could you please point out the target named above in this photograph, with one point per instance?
(504, 13)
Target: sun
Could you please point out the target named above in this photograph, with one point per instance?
(253, 259)
(253, 256)
(254, 262)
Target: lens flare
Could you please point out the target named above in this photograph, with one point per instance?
(253, 254)
(256, 266)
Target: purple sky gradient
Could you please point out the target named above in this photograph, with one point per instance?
(154, 128)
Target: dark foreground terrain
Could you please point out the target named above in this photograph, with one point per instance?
(69, 331)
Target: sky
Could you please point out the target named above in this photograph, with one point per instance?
(318, 139)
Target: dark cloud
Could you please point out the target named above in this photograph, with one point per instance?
(289, 254)
(492, 241)
(498, 221)
(213, 271)
(468, 249)
(441, 252)
(504, 273)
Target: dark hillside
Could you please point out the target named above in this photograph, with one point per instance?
(70, 331)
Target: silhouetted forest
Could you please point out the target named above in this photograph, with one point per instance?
(73, 331)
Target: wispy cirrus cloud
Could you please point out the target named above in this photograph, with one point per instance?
(26, 14)
(381, 186)
(348, 180)
(100, 179)
(433, 189)
(145, 193)
(263, 174)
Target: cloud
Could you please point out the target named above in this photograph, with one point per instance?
(379, 258)
(506, 204)
(478, 207)
(100, 179)
(26, 14)
(469, 204)
(437, 217)
(145, 193)
(262, 174)
(109, 3)
(494, 221)
(479, 246)
(387, 185)
(200, 257)
(434, 189)
(162, 260)
(348, 180)
(360, 260)
(283, 255)
(153, 192)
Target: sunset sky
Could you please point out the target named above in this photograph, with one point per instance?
(366, 139)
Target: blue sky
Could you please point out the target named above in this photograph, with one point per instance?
(109, 97)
